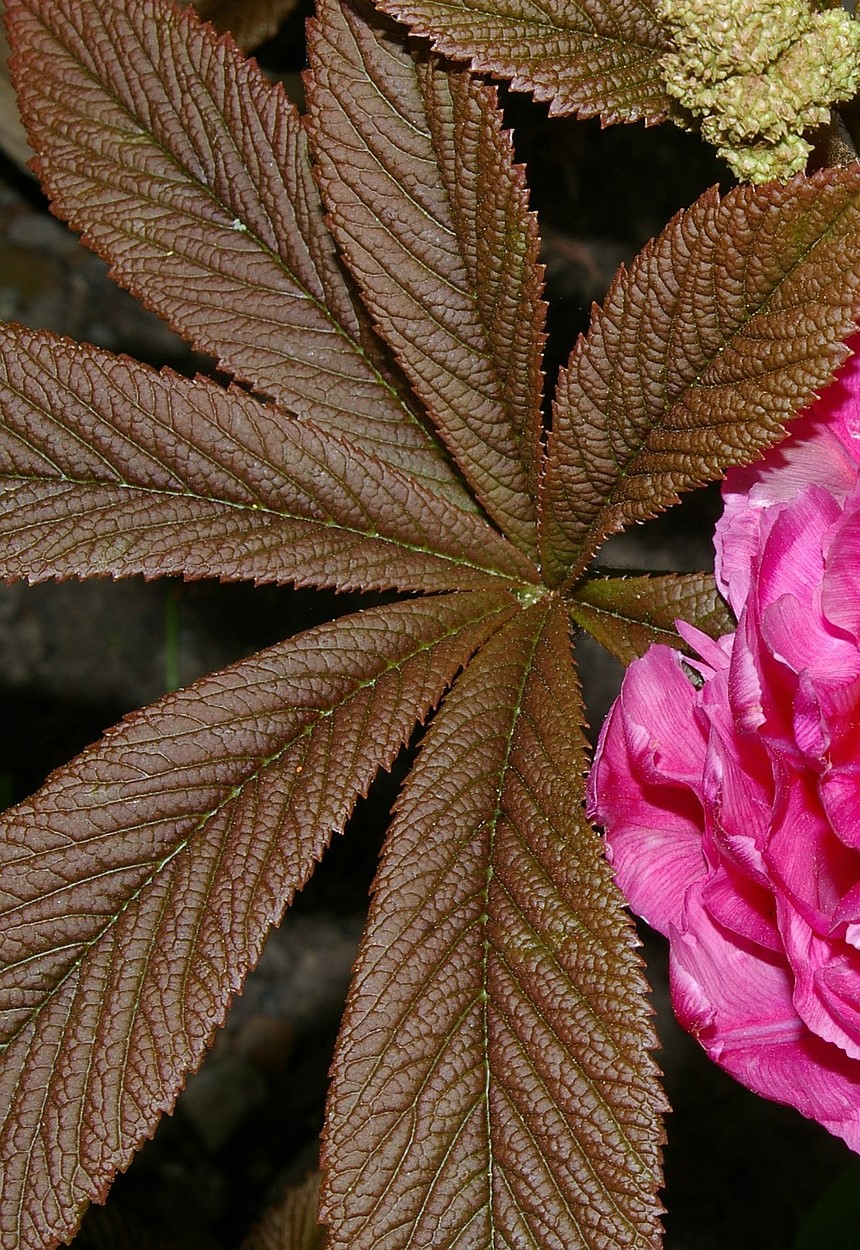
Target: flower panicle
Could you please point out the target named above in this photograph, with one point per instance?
(758, 74)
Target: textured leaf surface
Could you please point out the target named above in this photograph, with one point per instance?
(627, 614)
(492, 1085)
(293, 1223)
(591, 57)
(137, 886)
(724, 327)
(250, 22)
(188, 171)
(109, 467)
(431, 215)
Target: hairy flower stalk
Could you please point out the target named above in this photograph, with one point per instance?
(758, 73)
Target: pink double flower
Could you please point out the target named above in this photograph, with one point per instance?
(729, 784)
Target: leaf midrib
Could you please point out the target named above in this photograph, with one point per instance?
(479, 476)
(264, 510)
(278, 262)
(573, 605)
(524, 20)
(516, 711)
(587, 543)
(235, 791)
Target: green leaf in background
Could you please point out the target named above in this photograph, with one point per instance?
(834, 1221)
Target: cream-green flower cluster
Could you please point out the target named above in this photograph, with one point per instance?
(758, 73)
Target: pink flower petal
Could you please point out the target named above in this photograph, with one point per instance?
(652, 816)
(715, 652)
(761, 688)
(792, 558)
(839, 599)
(808, 863)
(656, 864)
(840, 796)
(812, 1076)
(754, 497)
(746, 692)
(658, 703)
(739, 1006)
(737, 787)
(798, 636)
(725, 991)
(737, 543)
(826, 977)
(811, 730)
(742, 907)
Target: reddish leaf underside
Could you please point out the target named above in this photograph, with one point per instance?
(137, 886)
(492, 1085)
(627, 614)
(431, 216)
(108, 467)
(292, 1224)
(724, 327)
(188, 171)
(589, 57)
(250, 22)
